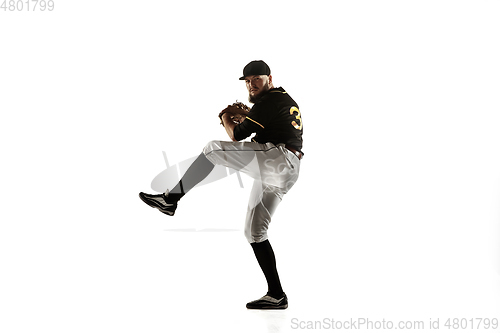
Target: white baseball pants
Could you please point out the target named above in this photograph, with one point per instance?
(274, 169)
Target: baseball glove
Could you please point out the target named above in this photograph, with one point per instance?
(237, 110)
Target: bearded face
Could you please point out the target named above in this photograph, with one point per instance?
(257, 86)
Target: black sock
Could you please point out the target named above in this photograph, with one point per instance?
(267, 261)
(197, 171)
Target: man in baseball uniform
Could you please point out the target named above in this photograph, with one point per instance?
(272, 159)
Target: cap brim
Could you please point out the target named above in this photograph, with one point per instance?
(241, 78)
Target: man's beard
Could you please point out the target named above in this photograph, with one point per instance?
(253, 99)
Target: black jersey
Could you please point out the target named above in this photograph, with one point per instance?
(274, 118)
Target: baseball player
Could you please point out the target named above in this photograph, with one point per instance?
(272, 159)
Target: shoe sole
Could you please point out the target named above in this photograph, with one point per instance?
(280, 307)
(154, 204)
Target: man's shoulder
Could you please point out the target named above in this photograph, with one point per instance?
(281, 98)
(273, 95)
(275, 99)
(277, 90)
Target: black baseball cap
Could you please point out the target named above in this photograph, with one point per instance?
(256, 67)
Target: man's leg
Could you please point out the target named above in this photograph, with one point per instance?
(264, 200)
(275, 170)
(235, 155)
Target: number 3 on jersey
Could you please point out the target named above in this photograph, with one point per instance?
(294, 110)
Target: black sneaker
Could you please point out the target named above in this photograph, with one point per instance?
(159, 201)
(269, 303)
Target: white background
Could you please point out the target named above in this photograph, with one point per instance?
(395, 215)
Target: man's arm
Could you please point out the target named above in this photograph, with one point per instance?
(229, 125)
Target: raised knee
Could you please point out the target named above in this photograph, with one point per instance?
(211, 146)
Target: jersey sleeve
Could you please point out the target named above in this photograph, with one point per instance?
(257, 119)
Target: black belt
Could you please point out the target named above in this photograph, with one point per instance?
(295, 151)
